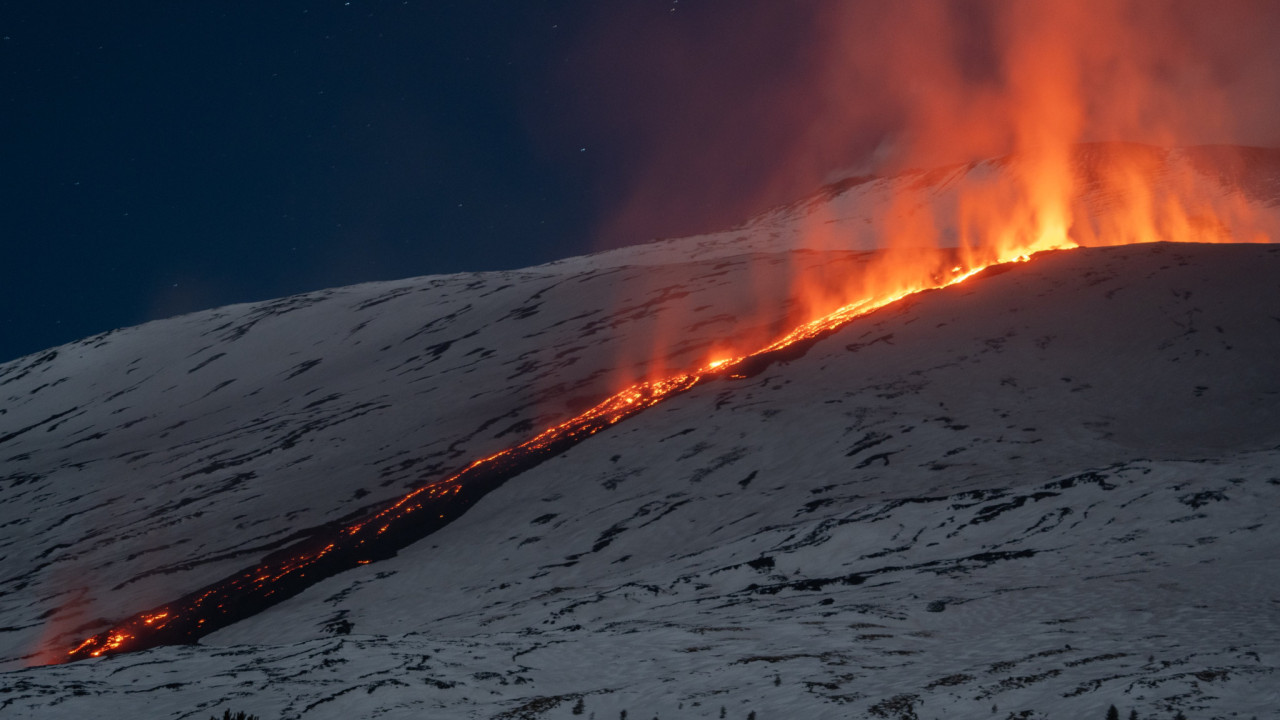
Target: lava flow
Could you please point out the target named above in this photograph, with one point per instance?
(1059, 73)
(421, 512)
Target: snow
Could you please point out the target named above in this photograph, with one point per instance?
(1044, 491)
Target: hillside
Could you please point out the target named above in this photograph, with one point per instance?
(1045, 490)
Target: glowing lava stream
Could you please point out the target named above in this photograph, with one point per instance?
(286, 573)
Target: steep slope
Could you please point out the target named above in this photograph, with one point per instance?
(1047, 490)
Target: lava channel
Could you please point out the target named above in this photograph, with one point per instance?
(286, 573)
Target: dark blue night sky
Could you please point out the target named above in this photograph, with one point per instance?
(160, 158)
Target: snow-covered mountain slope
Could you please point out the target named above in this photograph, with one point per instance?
(1073, 460)
(1048, 489)
(1051, 489)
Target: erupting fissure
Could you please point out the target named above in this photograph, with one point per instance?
(421, 512)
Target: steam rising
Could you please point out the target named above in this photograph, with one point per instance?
(725, 111)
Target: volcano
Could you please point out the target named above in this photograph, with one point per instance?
(1039, 492)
